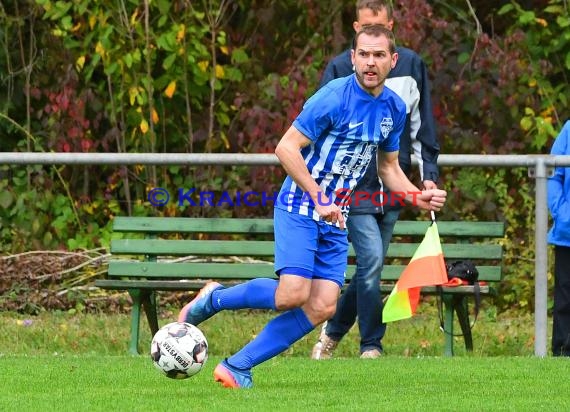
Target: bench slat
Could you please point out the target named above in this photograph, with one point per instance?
(182, 285)
(150, 284)
(230, 225)
(215, 270)
(191, 225)
(206, 270)
(450, 251)
(167, 247)
(487, 273)
(455, 229)
(257, 248)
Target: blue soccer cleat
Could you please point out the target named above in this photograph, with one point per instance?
(231, 377)
(200, 308)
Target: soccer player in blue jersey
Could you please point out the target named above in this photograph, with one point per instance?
(372, 219)
(325, 152)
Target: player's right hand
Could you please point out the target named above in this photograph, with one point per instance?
(330, 213)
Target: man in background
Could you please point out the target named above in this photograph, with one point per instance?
(371, 225)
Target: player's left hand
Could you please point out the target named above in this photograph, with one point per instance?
(432, 199)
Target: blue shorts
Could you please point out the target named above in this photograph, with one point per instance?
(307, 248)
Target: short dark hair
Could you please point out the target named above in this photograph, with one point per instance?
(376, 6)
(376, 30)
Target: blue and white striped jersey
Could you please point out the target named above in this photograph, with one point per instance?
(345, 125)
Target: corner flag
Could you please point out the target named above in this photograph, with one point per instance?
(426, 268)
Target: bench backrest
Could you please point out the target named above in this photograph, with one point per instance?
(216, 245)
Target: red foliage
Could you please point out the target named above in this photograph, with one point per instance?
(66, 118)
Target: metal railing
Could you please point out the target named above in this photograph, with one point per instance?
(539, 167)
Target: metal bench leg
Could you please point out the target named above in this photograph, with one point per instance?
(149, 305)
(448, 324)
(460, 304)
(135, 320)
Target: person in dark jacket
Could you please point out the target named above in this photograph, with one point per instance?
(372, 218)
(559, 236)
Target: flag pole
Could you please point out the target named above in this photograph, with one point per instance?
(432, 215)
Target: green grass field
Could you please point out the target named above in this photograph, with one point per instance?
(62, 361)
(108, 334)
(126, 383)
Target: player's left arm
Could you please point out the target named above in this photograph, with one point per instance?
(395, 179)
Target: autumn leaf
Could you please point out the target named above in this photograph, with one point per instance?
(99, 49)
(203, 65)
(424, 344)
(134, 17)
(526, 123)
(79, 63)
(92, 21)
(225, 140)
(144, 126)
(220, 73)
(181, 32)
(170, 89)
(133, 92)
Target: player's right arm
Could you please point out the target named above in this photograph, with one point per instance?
(288, 152)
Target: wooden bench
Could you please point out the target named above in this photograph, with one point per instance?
(182, 254)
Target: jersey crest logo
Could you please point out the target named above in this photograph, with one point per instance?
(386, 126)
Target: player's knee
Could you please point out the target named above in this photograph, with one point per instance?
(328, 312)
(319, 312)
(290, 300)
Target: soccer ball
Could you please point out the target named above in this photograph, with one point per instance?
(179, 350)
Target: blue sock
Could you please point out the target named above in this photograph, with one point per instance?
(254, 294)
(277, 336)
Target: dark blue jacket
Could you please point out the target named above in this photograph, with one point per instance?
(409, 79)
(559, 192)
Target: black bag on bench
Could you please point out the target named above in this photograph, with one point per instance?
(466, 271)
(462, 269)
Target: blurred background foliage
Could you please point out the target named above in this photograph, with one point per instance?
(229, 76)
